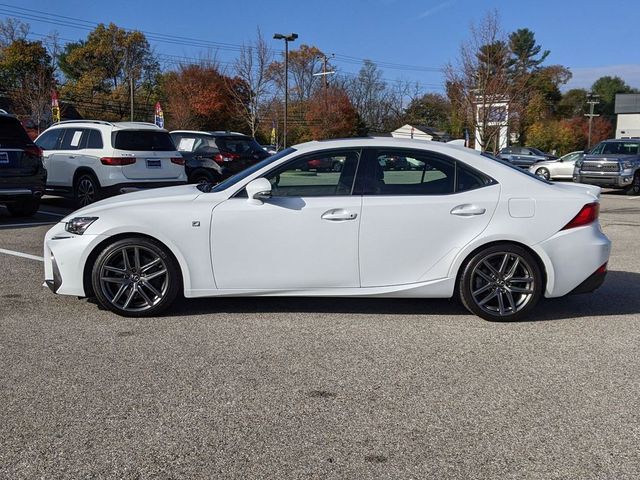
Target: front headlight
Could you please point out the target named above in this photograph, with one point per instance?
(79, 225)
(626, 164)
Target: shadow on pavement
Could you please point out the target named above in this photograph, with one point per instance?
(618, 296)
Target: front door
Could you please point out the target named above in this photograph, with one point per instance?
(304, 236)
(415, 220)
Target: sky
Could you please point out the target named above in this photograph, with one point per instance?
(410, 39)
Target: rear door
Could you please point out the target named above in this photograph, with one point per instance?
(154, 151)
(415, 221)
(17, 152)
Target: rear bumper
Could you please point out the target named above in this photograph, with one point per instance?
(137, 186)
(592, 283)
(608, 181)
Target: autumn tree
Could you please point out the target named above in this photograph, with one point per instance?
(197, 97)
(101, 69)
(27, 75)
(331, 114)
(431, 109)
(573, 103)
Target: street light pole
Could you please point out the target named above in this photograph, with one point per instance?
(287, 38)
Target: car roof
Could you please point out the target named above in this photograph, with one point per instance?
(217, 133)
(112, 125)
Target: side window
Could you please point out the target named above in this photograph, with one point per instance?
(49, 140)
(321, 174)
(92, 139)
(184, 143)
(468, 178)
(410, 173)
(71, 139)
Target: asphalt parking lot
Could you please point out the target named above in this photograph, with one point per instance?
(318, 388)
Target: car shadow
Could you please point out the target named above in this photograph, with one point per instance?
(617, 296)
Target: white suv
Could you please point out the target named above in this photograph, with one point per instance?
(90, 159)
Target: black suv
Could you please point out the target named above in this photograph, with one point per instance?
(213, 156)
(22, 173)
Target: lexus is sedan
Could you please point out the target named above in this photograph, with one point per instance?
(457, 224)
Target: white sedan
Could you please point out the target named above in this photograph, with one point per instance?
(459, 224)
(558, 169)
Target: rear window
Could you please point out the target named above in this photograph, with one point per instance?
(12, 134)
(143, 141)
(239, 145)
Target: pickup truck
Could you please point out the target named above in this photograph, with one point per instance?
(611, 164)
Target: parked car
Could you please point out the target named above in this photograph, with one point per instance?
(496, 234)
(91, 159)
(270, 149)
(213, 156)
(560, 169)
(324, 164)
(611, 164)
(524, 157)
(22, 173)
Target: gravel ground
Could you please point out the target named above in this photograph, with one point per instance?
(319, 388)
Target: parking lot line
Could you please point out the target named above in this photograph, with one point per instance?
(23, 255)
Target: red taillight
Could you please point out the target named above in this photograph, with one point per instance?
(118, 161)
(33, 150)
(177, 160)
(602, 269)
(226, 157)
(587, 215)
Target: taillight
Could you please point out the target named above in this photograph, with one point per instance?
(177, 160)
(33, 150)
(118, 161)
(226, 157)
(588, 214)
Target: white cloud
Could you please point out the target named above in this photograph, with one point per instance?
(584, 77)
(435, 9)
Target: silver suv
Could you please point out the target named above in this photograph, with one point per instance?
(90, 159)
(611, 164)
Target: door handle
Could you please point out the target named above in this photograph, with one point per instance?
(72, 156)
(339, 215)
(468, 210)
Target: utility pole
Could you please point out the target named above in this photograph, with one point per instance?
(287, 38)
(592, 101)
(131, 94)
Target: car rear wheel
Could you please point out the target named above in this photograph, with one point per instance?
(544, 173)
(203, 177)
(135, 277)
(24, 208)
(86, 190)
(501, 283)
(634, 188)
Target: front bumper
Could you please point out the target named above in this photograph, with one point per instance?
(608, 181)
(65, 256)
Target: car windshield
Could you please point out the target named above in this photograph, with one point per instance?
(143, 141)
(239, 145)
(617, 148)
(513, 167)
(229, 182)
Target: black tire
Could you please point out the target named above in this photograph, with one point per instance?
(337, 167)
(485, 273)
(544, 173)
(86, 190)
(129, 289)
(634, 188)
(24, 208)
(201, 176)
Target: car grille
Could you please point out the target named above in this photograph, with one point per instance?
(592, 166)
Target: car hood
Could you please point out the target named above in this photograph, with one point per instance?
(590, 190)
(544, 162)
(172, 195)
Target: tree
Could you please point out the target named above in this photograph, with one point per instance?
(331, 114)
(480, 81)
(251, 69)
(101, 69)
(573, 103)
(524, 50)
(197, 97)
(303, 63)
(607, 87)
(12, 30)
(26, 71)
(431, 109)
(370, 95)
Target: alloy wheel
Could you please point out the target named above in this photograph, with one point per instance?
(544, 173)
(86, 191)
(134, 278)
(502, 284)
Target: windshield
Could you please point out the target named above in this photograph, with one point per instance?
(513, 167)
(617, 148)
(229, 182)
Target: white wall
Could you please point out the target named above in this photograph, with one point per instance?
(628, 125)
(405, 132)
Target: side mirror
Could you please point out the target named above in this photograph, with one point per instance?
(258, 190)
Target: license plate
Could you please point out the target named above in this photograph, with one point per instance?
(153, 163)
(4, 157)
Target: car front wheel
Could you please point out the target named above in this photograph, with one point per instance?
(135, 277)
(501, 283)
(544, 173)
